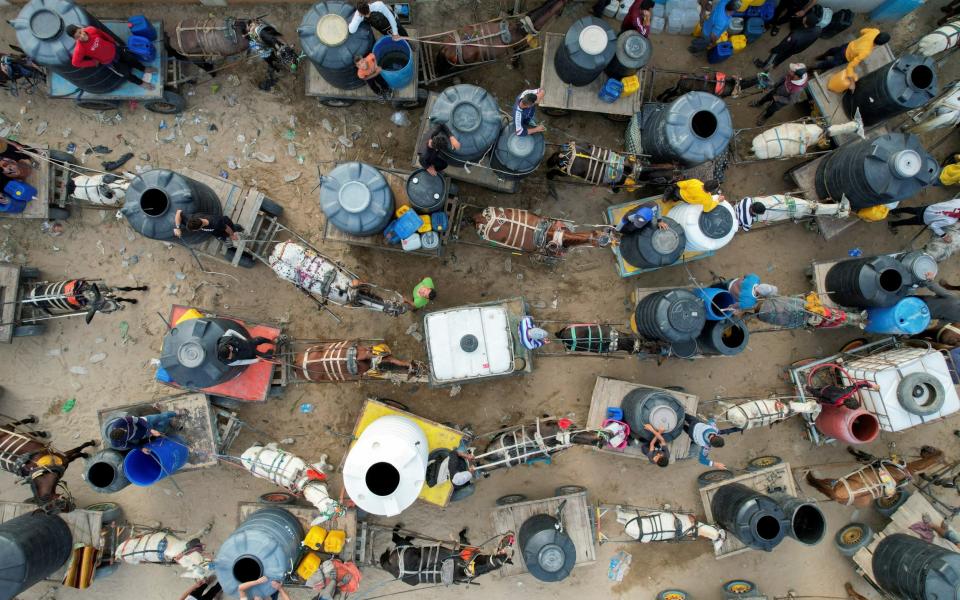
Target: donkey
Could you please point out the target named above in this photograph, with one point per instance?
(879, 479)
(525, 231)
(526, 443)
(718, 84)
(24, 454)
(440, 564)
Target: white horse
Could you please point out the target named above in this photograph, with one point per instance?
(764, 412)
(941, 39)
(664, 525)
(781, 207)
(940, 114)
(103, 189)
(795, 139)
(294, 475)
(165, 548)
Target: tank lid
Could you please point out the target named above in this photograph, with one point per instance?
(716, 224)
(906, 163)
(686, 349)
(551, 558)
(45, 24)
(191, 354)
(422, 186)
(354, 197)
(522, 145)
(665, 241)
(636, 46)
(466, 117)
(664, 417)
(686, 314)
(593, 40)
(469, 343)
(332, 30)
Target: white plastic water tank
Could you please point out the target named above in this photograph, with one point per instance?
(610, 10)
(386, 467)
(469, 343)
(688, 216)
(889, 369)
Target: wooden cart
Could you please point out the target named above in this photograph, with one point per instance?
(13, 280)
(608, 392)
(804, 177)
(50, 180)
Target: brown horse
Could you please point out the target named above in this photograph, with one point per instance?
(522, 230)
(490, 41)
(24, 454)
(352, 360)
(879, 479)
(719, 84)
(536, 441)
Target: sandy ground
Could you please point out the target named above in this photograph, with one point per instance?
(36, 372)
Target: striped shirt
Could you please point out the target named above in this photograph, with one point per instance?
(523, 116)
(743, 214)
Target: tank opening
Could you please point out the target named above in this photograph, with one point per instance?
(733, 336)
(891, 280)
(101, 474)
(704, 123)
(924, 395)
(382, 479)
(768, 527)
(154, 202)
(247, 568)
(395, 60)
(865, 427)
(722, 301)
(808, 525)
(921, 77)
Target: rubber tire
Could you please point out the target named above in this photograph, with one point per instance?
(566, 490)
(227, 403)
(730, 587)
(29, 330)
(336, 102)
(98, 105)
(172, 103)
(29, 273)
(853, 344)
(271, 208)
(57, 213)
(676, 388)
(277, 498)
(905, 397)
(510, 499)
(105, 571)
(246, 261)
(111, 511)
(618, 118)
(673, 595)
(898, 500)
(420, 100)
(849, 549)
(769, 459)
(555, 112)
(463, 492)
(713, 476)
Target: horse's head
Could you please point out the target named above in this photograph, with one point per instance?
(546, 12)
(930, 452)
(43, 483)
(602, 238)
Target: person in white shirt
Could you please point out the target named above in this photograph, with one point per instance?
(938, 217)
(379, 16)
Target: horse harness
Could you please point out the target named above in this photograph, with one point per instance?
(952, 37)
(431, 568)
(678, 530)
(513, 446)
(604, 167)
(12, 460)
(885, 486)
(140, 547)
(331, 362)
(948, 327)
(482, 41)
(520, 234)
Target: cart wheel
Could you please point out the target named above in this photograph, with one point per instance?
(29, 330)
(336, 102)
(172, 103)
(714, 476)
(555, 112)
(394, 404)
(64, 157)
(29, 273)
(227, 403)
(676, 388)
(112, 512)
(762, 462)
(510, 499)
(888, 506)
(462, 492)
(618, 118)
(105, 571)
(57, 213)
(852, 537)
(739, 587)
(419, 101)
(673, 595)
(98, 104)
(246, 260)
(808, 273)
(277, 498)
(568, 490)
(271, 208)
(853, 344)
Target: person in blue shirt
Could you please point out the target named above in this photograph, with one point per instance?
(124, 433)
(719, 20)
(706, 436)
(640, 217)
(524, 109)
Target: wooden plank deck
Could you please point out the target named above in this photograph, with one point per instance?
(609, 392)
(41, 177)
(804, 176)
(558, 94)
(317, 86)
(243, 208)
(577, 521)
(85, 525)
(9, 290)
(771, 479)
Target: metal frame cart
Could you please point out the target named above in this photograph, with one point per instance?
(50, 179)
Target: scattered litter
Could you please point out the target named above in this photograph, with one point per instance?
(130, 260)
(347, 142)
(241, 139)
(412, 332)
(99, 150)
(291, 177)
(327, 126)
(374, 145)
(98, 357)
(110, 165)
(66, 133)
(400, 118)
(289, 134)
(855, 252)
(213, 127)
(163, 124)
(233, 80)
(172, 289)
(306, 408)
(200, 139)
(52, 228)
(79, 370)
(54, 352)
(232, 100)
(168, 138)
(68, 405)
(455, 390)
(619, 565)
(224, 174)
(288, 441)
(42, 127)
(232, 163)
(187, 149)
(71, 147)
(180, 275)
(124, 329)
(264, 158)
(538, 304)
(214, 88)
(508, 265)
(301, 159)
(144, 156)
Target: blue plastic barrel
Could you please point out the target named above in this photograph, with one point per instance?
(715, 300)
(894, 10)
(720, 52)
(611, 91)
(767, 10)
(909, 316)
(753, 28)
(166, 456)
(395, 57)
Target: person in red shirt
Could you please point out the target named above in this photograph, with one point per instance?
(95, 47)
(638, 17)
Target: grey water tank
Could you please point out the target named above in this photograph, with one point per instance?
(871, 282)
(104, 471)
(653, 247)
(548, 553)
(656, 407)
(473, 117)
(753, 518)
(906, 83)
(32, 547)
(727, 337)
(330, 46)
(267, 544)
(356, 199)
(693, 129)
(153, 199)
(885, 169)
(633, 53)
(189, 354)
(914, 569)
(587, 48)
(41, 32)
(427, 193)
(670, 315)
(807, 523)
(516, 156)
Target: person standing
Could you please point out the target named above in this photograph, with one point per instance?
(222, 227)
(706, 436)
(638, 17)
(531, 336)
(369, 71)
(379, 16)
(640, 217)
(524, 109)
(235, 350)
(938, 217)
(657, 451)
(747, 211)
(790, 11)
(851, 54)
(714, 26)
(423, 293)
(795, 43)
(694, 191)
(788, 90)
(124, 433)
(205, 589)
(94, 48)
(748, 290)
(438, 140)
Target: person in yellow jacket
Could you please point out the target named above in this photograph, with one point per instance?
(950, 174)
(851, 54)
(694, 191)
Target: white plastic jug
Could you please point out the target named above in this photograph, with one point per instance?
(411, 243)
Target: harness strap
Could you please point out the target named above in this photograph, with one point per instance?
(948, 327)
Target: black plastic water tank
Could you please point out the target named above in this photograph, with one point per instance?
(914, 569)
(807, 523)
(153, 199)
(32, 547)
(41, 32)
(356, 199)
(876, 281)
(906, 83)
(693, 129)
(633, 53)
(885, 169)
(726, 337)
(427, 193)
(661, 409)
(588, 47)
(548, 553)
(473, 116)
(670, 315)
(189, 353)
(652, 246)
(104, 471)
(753, 518)
(330, 46)
(516, 156)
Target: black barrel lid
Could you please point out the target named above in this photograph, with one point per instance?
(665, 241)
(716, 224)
(686, 312)
(425, 191)
(636, 48)
(469, 343)
(685, 349)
